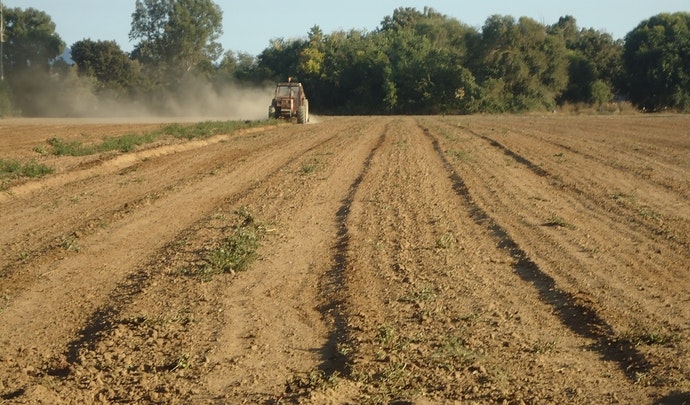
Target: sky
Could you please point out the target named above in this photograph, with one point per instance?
(249, 26)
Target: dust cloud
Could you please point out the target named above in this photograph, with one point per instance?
(191, 100)
(230, 101)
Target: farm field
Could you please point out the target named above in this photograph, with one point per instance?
(421, 260)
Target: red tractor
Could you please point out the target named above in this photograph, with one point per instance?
(289, 101)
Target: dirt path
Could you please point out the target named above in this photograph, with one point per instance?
(477, 259)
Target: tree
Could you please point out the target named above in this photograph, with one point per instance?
(240, 67)
(281, 59)
(312, 55)
(594, 60)
(605, 54)
(31, 42)
(403, 18)
(107, 63)
(176, 35)
(601, 93)
(31, 46)
(567, 27)
(354, 76)
(429, 53)
(657, 60)
(521, 65)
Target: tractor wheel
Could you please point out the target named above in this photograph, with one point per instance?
(302, 114)
(306, 110)
(271, 112)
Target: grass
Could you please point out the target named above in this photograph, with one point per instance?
(309, 167)
(129, 142)
(12, 169)
(623, 198)
(446, 241)
(313, 380)
(75, 148)
(4, 302)
(453, 354)
(69, 243)
(125, 143)
(631, 201)
(181, 362)
(543, 346)
(407, 363)
(313, 164)
(24, 257)
(392, 374)
(402, 144)
(649, 338)
(208, 128)
(238, 250)
(425, 294)
(459, 155)
(558, 222)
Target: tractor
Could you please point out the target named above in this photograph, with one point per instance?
(289, 101)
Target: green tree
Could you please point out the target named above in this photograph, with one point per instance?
(601, 93)
(312, 55)
(107, 63)
(238, 67)
(177, 35)
(311, 66)
(246, 69)
(428, 54)
(403, 18)
(657, 60)
(605, 54)
(521, 65)
(31, 46)
(31, 43)
(281, 59)
(595, 58)
(567, 27)
(581, 76)
(355, 74)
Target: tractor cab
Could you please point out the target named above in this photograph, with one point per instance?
(289, 100)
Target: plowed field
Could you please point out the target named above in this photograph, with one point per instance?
(481, 259)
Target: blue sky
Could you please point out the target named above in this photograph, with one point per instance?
(250, 25)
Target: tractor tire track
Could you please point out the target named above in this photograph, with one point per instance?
(670, 198)
(100, 280)
(100, 322)
(575, 314)
(72, 210)
(403, 260)
(414, 273)
(584, 221)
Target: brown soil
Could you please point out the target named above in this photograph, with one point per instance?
(498, 259)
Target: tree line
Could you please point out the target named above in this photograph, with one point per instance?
(414, 62)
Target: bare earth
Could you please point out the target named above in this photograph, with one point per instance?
(407, 260)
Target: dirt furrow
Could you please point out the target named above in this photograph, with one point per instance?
(574, 312)
(614, 290)
(587, 223)
(466, 259)
(647, 232)
(290, 339)
(48, 313)
(91, 199)
(416, 268)
(170, 336)
(621, 175)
